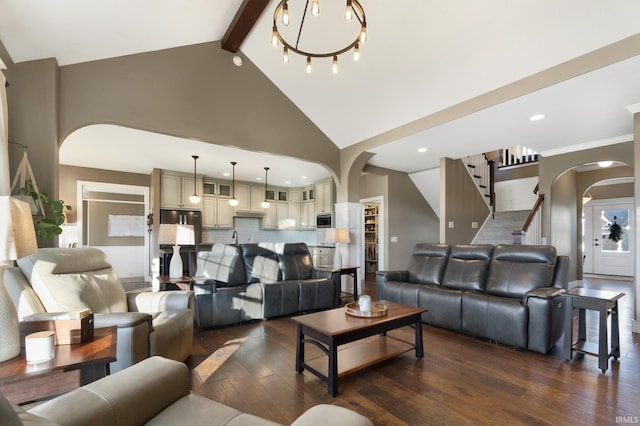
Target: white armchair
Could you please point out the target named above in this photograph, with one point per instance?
(62, 280)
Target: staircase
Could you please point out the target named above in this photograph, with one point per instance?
(498, 230)
(481, 171)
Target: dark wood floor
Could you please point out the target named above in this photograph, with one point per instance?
(460, 381)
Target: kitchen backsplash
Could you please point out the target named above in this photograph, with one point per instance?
(249, 231)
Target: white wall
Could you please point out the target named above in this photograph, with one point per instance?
(428, 183)
(516, 194)
(127, 261)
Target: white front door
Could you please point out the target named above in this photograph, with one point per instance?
(608, 246)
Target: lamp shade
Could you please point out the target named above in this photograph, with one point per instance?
(17, 236)
(176, 234)
(337, 235)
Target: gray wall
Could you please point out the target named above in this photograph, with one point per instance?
(463, 204)
(562, 194)
(194, 92)
(408, 216)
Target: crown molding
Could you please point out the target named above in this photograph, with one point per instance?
(587, 145)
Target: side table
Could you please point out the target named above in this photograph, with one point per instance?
(182, 283)
(22, 383)
(606, 303)
(349, 270)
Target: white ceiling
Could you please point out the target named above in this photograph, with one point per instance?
(422, 57)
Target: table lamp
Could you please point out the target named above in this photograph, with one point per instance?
(337, 236)
(176, 235)
(17, 240)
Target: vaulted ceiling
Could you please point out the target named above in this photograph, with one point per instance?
(456, 77)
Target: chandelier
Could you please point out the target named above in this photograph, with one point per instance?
(353, 9)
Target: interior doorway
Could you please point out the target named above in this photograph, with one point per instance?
(608, 243)
(373, 248)
(113, 218)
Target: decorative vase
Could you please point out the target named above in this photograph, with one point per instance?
(175, 265)
(10, 327)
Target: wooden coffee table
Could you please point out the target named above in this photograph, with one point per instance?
(330, 329)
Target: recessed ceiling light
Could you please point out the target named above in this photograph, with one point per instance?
(287, 182)
(226, 174)
(303, 177)
(237, 60)
(258, 178)
(537, 117)
(605, 163)
(422, 149)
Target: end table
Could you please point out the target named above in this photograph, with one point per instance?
(182, 283)
(606, 303)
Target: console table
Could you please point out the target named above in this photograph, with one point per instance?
(606, 303)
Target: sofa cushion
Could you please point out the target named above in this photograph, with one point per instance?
(74, 279)
(502, 319)
(295, 261)
(517, 269)
(443, 305)
(223, 264)
(260, 263)
(427, 263)
(467, 267)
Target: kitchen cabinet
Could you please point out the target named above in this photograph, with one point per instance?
(322, 256)
(308, 214)
(295, 195)
(324, 196)
(249, 198)
(175, 190)
(276, 217)
(216, 213)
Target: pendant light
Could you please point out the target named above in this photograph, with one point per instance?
(234, 201)
(195, 198)
(265, 204)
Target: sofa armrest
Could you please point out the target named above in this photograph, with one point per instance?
(383, 277)
(134, 329)
(392, 275)
(324, 413)
(131, 396)
(121, 319)
(546, 317)
(333, 275)
(204, 285)
(546, 293)
(158, 302)
(324, 273)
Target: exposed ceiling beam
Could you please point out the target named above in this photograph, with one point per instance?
(242, 23)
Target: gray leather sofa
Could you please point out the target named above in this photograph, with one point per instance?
(508, 293)
(156, 391)
(236, 283)
(63, 280)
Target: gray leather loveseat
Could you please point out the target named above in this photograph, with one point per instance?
(236, 283)
(508, 293)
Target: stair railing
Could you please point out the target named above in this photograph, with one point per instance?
(534, 237)
(481, 170)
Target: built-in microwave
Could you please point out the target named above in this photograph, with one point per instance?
(324, 220)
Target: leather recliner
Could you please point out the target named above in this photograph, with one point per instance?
(157, 391)
(64, 280)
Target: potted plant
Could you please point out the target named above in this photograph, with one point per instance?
(49, 214)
